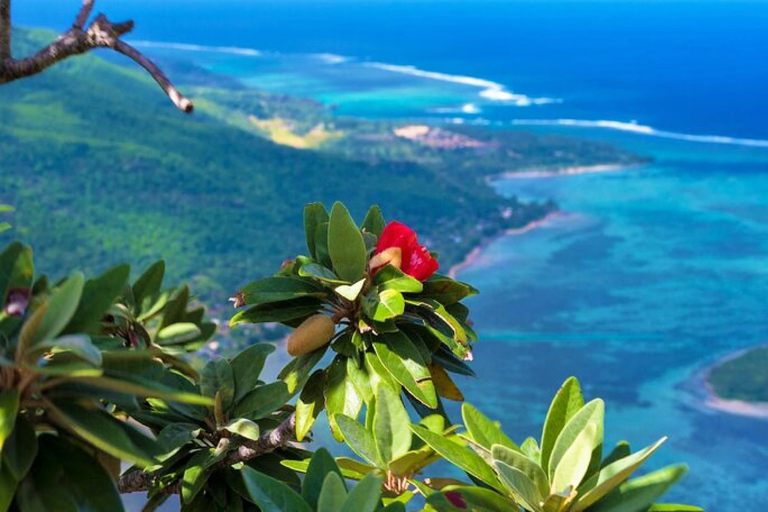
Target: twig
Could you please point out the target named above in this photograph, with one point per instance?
(101, 33)
(137, 481)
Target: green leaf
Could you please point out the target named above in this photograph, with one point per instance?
(566, 403)
(640, 493)
(36, 492)
(279, 289)
(8, 259)
(352, 291)
(340, 395)
(483, 431)
(315, 214)
(530, 448)
(619, 451)
(365, 496)
(447, 291)
(389, 304)
(244, 428)
(51, 317)
(262, 401)
(374, 221)
(359, 439)
(459, 456)
(9, 409)
(333, 494)
(525, 465)
(360, 380)
(98, 295)
(522, 488)
(278, 312)
(391, 278)
(296, 373)
(590, 413)
(345, 245)
(272, 495)
(392, 440)
(218, 377)
(320, 273)
(612, 475)
(403, 361)
(475, 498)
(7, 487)
(101, 430)
(20, 450)
(320, 467)
(85, 478)
(78, 345)
(310, 403)
(142, 387)
(247, 367)
(573, 466)
(177, 334)
(195, 476)
(147, 287)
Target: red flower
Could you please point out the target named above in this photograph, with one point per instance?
(399, 247)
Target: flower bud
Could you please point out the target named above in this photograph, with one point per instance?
(313, 333)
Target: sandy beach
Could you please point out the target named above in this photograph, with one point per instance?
(739, 407)
(565, 171)
(472, 256)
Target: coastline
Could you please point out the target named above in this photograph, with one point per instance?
(472, 257)
(737, 407)
(564, 171)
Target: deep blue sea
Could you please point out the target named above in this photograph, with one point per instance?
(649, 275)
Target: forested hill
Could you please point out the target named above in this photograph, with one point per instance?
(102, 169)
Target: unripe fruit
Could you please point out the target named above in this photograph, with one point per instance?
(313, 333)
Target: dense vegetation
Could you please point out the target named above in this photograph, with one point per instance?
(743, 377)
(82, 363)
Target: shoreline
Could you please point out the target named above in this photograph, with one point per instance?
(473, 256)
(737, 407)
(564, 171)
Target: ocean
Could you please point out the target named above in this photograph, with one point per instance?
(648, 275)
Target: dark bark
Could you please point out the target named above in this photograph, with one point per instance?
(79, 39)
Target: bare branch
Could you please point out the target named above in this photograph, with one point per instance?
(5, 30)
(176, 97)
(283, 434)
(101, 33)
(83, 15)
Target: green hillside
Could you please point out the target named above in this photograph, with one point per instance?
(101, 169)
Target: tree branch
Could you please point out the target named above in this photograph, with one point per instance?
(101, 33)
(5, 30)
(284, 433)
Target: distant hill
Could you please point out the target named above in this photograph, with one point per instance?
(102, 169)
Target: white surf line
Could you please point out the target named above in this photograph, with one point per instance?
(642, 130)
(489, 90)
(234, 50)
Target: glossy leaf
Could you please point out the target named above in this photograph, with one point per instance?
(247, 367)
(278, 289)
(244, 428)
(315, 214)
(177, 334)
(403, 361)
(20, 450)
(392, 440)
(219, 378)
(360, 440)
(345, 245)
(483, 431)
(148, 285)
(459, 456)
(640, 493)
(272, 495)
(374, 221)
(388, 304)
(9, 409)
(447, 291)
(352, 291)
(566, 403)
(340, 395)
(288, 311)
(320, 467)
(365, 496)
(310, 403)
(98, 295)
(262, 401)
(391, 278)
(333, 494)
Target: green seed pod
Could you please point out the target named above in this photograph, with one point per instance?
(313, 333)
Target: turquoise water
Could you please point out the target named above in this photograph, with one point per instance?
(647, 276)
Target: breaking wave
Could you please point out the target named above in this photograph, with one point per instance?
(234, 50)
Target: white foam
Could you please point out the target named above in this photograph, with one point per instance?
(331, 58)
(643, 130)
(490, 90)
(234, 50)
